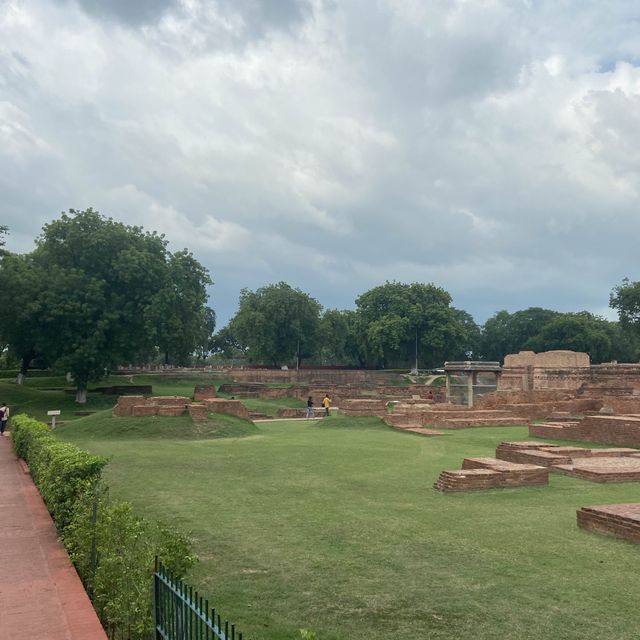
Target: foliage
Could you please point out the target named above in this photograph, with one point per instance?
(225, 345)
(506, 333)
(112, 547)
(276, 323)
(625, 299)
(96, 293)
(308, 634)
(177, 318)
(4, 230)
(582, 331)
(22, 282)
(397, 319)
(60, 470)
(338, 339)
(119, 576)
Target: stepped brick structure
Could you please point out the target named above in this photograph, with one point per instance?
(529, 463)
(177, 405)
(489, 473)
(622, 430)
(618, 520)
(141, 406)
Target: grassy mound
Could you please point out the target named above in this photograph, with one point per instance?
(103, 426)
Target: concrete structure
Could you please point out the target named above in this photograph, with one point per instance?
(477, 377)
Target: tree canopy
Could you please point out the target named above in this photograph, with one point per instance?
(401, 321)
(96, 293)
(506, 332)
(277, 324)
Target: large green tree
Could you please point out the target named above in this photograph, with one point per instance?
(506, 333)
(102, 287)
(401, 323)
(276, 324)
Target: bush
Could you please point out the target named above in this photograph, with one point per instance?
(118, 573)
(60, 470)
(112, 548)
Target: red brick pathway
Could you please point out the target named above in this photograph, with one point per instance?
(41, 595)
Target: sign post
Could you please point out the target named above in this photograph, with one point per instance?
(53, 415)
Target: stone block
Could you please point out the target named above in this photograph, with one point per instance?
(198, 412)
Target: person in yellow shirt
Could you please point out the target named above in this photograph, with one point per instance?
(326, 403)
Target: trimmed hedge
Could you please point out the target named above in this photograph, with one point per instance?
(60, 470)
(112, 548)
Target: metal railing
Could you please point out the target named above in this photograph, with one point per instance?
(179, 613)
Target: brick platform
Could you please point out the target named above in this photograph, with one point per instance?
(623, 430)
(618, 469)
(489, 473)
(618, 520)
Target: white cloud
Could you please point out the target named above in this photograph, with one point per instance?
(488, 146)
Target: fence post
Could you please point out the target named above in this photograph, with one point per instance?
(154, 604)
(94, 551)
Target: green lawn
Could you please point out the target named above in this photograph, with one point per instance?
(333, 525)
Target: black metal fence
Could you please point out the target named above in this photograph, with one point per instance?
(179, 613)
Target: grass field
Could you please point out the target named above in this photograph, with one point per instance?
(333, 525)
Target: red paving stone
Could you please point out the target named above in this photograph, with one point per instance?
(41, 595)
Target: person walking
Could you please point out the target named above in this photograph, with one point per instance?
(4, 416)
(326, 403)
(309, 407)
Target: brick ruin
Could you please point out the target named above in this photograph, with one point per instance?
(177, 406)
(618, 520)
(529, 462)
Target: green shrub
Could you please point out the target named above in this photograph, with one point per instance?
(24, 430)
(112, 548)
(114, 552)
(60, 470)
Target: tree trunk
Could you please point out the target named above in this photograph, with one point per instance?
(166, 357)
(24, 367)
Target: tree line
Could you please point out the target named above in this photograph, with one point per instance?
(96, 293)
(415, 325)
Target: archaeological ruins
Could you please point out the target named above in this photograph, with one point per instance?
(558, 395)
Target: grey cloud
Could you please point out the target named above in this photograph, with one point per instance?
(404, 140)
(131, 12)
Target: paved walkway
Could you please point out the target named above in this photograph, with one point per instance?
(41, 595)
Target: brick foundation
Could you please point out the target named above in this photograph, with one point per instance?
(204, 392)
(618, 520)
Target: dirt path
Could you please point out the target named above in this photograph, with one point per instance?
(41, 595)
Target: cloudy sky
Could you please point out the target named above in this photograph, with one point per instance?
(489, 146)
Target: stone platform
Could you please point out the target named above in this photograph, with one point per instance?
(619, 520)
